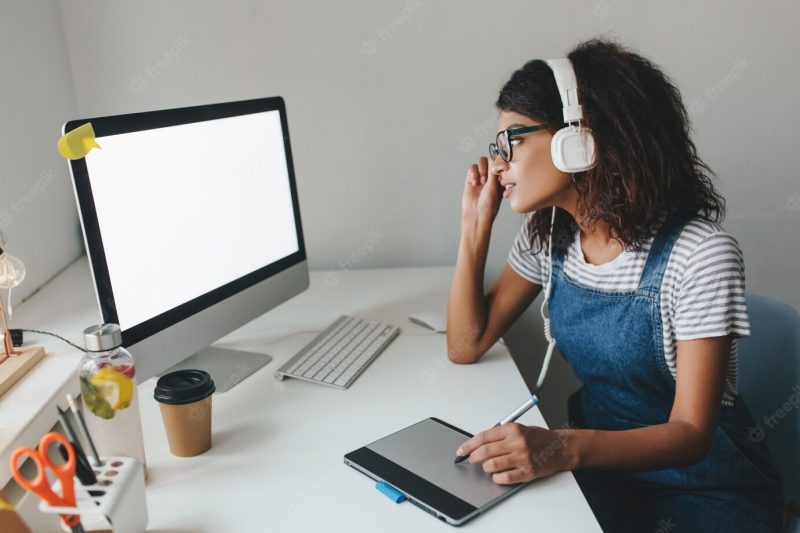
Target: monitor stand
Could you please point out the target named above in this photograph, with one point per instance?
(228, 368)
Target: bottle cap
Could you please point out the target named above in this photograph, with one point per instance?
(102, 337)
(184, 386)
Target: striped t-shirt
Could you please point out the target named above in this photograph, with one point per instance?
(702, 292)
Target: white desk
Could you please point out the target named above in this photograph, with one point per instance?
(276, 463)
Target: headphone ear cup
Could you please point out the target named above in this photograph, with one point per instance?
(572, 149)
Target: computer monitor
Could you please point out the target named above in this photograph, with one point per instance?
(192, 228)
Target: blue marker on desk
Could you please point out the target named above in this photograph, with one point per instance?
(515, 414)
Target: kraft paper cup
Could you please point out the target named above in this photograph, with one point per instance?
(184, 397)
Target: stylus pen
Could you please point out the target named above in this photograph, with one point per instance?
(512, 416)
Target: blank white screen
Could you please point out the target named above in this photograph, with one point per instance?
(185, 209)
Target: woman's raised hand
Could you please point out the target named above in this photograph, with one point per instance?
(482, 196)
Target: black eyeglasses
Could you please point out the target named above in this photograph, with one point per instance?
(503, 144)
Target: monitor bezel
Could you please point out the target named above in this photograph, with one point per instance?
(128, 123)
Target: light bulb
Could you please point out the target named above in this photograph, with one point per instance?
(12, 271)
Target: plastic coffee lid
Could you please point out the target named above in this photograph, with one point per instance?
(183, 386)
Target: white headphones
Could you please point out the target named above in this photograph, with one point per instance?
(572, 148)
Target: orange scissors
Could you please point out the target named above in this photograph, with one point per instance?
(40, 485)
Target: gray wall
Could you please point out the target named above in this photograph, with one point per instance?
(390, 101)
(37, 212)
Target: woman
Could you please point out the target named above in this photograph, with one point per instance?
(646, 302)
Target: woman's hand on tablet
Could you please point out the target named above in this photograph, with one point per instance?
(515, 453)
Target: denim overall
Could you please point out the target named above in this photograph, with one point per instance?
(614, 343)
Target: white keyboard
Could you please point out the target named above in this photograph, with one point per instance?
(338, 355)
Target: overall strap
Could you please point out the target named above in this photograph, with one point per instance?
(660, 250)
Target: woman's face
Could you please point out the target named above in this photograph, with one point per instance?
(530, 179)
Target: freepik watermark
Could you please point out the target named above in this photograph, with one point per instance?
(700, 103)
(792, 403)
(370, 46)
(46, 178)
(140, 82)
(240, 371)
(601, 9)
(757, 432)
(565, 433)
(350, 262)
(480, 131)
(793, 202)
(665, 525)
(316, 491)
(431, 373)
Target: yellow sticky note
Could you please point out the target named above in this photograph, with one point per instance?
(77, 143)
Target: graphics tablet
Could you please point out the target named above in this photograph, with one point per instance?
(418, 462)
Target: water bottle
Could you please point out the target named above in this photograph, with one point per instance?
(108, 391)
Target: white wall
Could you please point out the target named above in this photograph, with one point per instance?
(389, 102)
(37, 213)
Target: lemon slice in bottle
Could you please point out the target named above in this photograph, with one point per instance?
(114, 387)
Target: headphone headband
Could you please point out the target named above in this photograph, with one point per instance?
(567, 87)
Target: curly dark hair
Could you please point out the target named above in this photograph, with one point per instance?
(647, 165)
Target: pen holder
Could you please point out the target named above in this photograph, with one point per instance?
(122, 503)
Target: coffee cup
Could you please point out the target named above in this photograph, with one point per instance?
(184, 397)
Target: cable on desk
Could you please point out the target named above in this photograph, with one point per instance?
(17, 337)
(19, 332)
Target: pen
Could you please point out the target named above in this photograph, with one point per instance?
(512, 416)
(83, 470)
(82, 467)
(73, 405)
